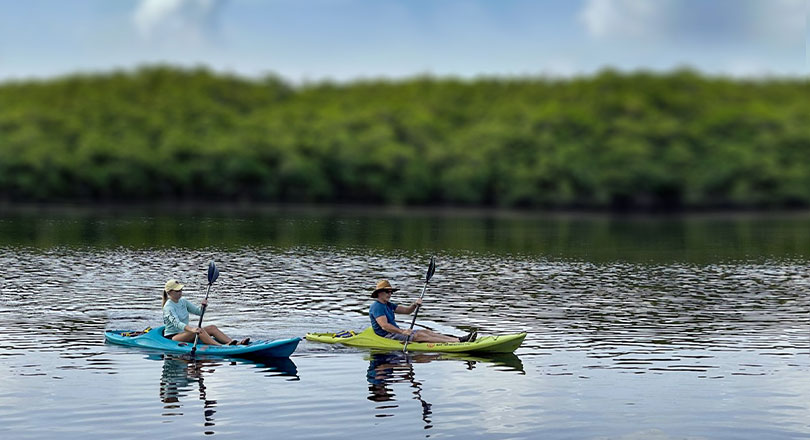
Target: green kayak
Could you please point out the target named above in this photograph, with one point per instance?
(368, 339)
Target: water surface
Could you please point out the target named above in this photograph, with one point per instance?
(690, 327)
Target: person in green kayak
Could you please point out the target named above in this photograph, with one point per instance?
(175, 317)
(384, 324)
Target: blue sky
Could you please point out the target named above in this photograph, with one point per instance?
(310, 40)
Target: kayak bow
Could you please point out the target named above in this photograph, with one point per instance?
(368, 339)
(155, 340)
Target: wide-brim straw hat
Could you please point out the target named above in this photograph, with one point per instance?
(381, 286)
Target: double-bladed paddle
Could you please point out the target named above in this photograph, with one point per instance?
(213, 274)
(428, 276)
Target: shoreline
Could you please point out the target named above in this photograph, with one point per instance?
(368, 210)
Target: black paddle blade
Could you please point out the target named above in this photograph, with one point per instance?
(431, 269)
(213, 272)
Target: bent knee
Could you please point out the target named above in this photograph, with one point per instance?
(210, 328)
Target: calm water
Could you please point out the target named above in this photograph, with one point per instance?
(639, 328)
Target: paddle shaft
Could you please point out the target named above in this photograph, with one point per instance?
(415, 314)
(199, 324)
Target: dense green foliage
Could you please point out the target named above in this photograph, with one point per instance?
(612, 140)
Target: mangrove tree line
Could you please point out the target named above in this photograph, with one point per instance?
(613, 140)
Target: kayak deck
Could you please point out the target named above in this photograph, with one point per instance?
(154, 339)
(368, 339)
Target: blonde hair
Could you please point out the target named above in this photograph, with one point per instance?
(172, 284)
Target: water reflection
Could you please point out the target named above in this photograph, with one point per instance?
(386, 369)
(177, 380)
(273, 366)
(502, 361)
(181, 373)
(592, 237)
(618, 318)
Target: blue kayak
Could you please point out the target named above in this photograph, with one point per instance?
(154, 339)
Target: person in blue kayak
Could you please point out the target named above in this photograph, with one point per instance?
(384, 323)
(175, 317)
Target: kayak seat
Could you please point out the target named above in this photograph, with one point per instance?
(133, 334)
(345, 334)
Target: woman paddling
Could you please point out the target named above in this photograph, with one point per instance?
(175, 317)
(382, 312)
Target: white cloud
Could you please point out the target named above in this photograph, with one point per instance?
(765, 21)
(781, 19)
(186, 21)
(623, 18)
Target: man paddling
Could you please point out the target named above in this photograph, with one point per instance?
(384, 323)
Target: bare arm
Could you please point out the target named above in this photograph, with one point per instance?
(408, 310)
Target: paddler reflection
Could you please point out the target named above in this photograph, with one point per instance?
(385, 369)
(177, 380)
(180, 373)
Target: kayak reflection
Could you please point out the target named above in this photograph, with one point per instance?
(181, 373)
(177, 380)
(386, 369)
(273, 366)
(502, 361)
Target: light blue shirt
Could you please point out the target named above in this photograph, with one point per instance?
(175, 315)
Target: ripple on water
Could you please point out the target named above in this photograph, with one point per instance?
(587, 322)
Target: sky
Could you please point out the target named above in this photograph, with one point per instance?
(343, 40)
